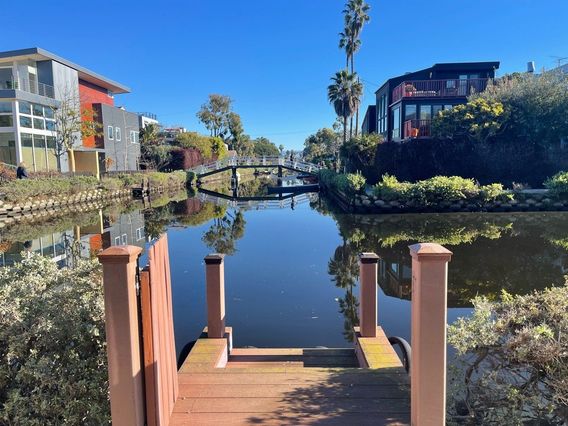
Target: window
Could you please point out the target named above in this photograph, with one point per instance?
(39, 123)
(117, 133)
(124, 239)
(51, 157)
(436, 109)
(410, 112)
(48, 112)
(139, 234)
(25, 107)
(425, 112)
(40, 153)
(396, 123)
(37, 110)
(25, 121)
(5, 107)
(8, 148)
(50, 125)
(382, 114)
(27, 149)
(110, 132)
(117, 241)
(448, 107)
(133, 136)
(6, 121)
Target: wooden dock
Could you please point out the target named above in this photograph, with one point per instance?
(292, 386)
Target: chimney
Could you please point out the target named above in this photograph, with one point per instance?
(530, 67)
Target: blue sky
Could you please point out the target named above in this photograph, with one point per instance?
(275, 58)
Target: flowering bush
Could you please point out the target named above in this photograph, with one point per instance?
(558, 184)
(52, 344)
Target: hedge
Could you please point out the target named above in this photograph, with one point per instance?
(558, 184)
(349, 184)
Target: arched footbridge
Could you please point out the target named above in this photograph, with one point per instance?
(234, 163)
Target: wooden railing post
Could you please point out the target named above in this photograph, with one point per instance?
(215, 281)
(428, 364)
(122, 334)
(368, 294)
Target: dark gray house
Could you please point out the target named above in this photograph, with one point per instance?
(406, 104)
(119, 136)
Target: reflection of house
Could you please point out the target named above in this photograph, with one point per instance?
(395, 278)
(406, 104)
(127, 229)
(34, 84)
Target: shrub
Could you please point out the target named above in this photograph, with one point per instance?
(52, 344)
(23, 189)
(185, 158)
(349, 183)
(558, 184)
(438, 189)
(512, 367)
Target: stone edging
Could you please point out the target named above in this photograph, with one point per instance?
(530, 201)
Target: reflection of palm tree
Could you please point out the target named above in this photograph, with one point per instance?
(224, 232)
(344, 269)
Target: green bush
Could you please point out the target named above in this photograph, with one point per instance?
(349, 183)
(23, 189)
(438, 189)
(53, 367)
(558, 184)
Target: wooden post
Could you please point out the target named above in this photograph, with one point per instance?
(215, 280)
(122, 334)
(429, 317)
(368, 294)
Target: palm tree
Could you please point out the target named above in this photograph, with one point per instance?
(351, 45)
(345, 94)
(356, 17)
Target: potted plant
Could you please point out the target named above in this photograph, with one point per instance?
(409, 89)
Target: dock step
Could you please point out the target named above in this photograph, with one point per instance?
(292, 357)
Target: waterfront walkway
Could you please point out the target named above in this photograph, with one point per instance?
(292, 386)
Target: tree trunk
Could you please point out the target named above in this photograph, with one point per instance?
(344, 129)
(350, 127)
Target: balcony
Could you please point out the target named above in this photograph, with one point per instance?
(416, 129)
(28, 85)
(454, 88)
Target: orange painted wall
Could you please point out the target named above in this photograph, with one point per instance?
(90, 94)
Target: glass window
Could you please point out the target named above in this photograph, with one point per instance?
(133, 138)
(8, 148)
(117, 240)
(448, 106)
(425, 112)
(50, 125)
(5, 107)
(6, 121)
(396, 123)
(25, 107)
(25, 121)
(27, 150)
(110, 132)
(436, 109)
(124, 239)
(40, 153)
(37, 110)
(48, 112)
(39, 123)
(410, 112)
(117, 133)
(51, 157)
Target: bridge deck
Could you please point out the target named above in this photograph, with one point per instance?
(292, 386)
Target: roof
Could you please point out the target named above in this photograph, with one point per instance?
(448, 66)
(40, 54)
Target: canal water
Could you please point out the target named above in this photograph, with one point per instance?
(291, 265)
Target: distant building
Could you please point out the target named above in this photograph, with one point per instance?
(406, 104)
(33, 83)
(146, 118)
(170, 133)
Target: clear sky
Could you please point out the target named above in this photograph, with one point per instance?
(275, 57)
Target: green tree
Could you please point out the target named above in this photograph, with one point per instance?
(264, 148)
(356, 16)
(214, 114)
(150, 134)
(360, 151)
(535, 106)
(323, 146)
(244, 146)
(281, 149)
(235, 127)
(479, 119)
(345, 95)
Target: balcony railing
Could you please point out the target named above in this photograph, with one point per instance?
(30, 86)
(417, 129)
(438, 88)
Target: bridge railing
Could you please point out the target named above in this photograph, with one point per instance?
(257, 204)
(254, 161)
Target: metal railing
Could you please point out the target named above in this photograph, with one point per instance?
(439, 88)
(30, 86)
(255, 161)
(259, 204)
(417, 128)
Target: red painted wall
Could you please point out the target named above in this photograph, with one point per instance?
(90, 94)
